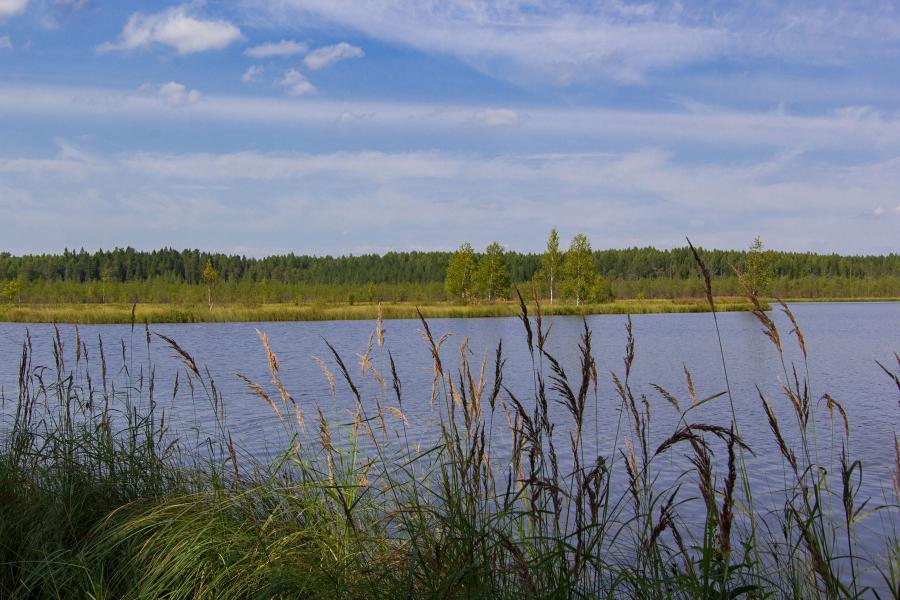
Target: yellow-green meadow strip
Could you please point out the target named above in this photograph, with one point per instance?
(186, 313)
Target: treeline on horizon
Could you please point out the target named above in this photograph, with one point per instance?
(186, 266)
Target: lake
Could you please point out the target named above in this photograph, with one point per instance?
(844, 341)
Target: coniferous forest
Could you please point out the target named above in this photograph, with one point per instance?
(186, 266)
(167, 275)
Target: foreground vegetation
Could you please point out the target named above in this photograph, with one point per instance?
(219, 313)
(99, 499)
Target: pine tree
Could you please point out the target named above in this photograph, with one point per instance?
(578, 269)
(493, 274)
(460, 278)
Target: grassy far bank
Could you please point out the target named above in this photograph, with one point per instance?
(162, 291)
(199, 313)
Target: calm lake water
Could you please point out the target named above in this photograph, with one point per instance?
(844, 341)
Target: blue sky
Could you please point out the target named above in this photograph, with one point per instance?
(330, 127)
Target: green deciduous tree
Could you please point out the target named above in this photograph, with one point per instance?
(601, 291)
(551, 263)
(210, 278)
(11, 291)
(578, 269)
(493, 274)
(460, 279)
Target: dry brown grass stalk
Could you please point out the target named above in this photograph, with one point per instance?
(896, 478)
(795, 328)
(690, 385)
(364, 361)
(324, 432)
(274, 366)
(257, 390)
(707, 279)
(379, 326)
(399, 414)
(759, 311)
(667, 396)
(329, 376)
(726, 514)
(776, 431)
(832, 404)
(187, 358)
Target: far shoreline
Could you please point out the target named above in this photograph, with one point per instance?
(109, 314)
(118, 314)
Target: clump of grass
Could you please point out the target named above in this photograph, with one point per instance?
(98, 499)
(76, 450)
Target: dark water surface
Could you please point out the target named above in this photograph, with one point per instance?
(844, 341)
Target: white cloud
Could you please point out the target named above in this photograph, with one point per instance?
(437, 198)
(5, 42)
(497, 117)
(10, 8)
(295, 84)
(522, 40)
(879, 210)
(177, 28)
(69, 162)
(328, 55)
(271, 167)
(253, 74)
(541, 41)
(273, 49)
(171, 94)
(597, 127)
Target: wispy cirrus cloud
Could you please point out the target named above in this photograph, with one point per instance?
(843, 129)
(177, 28)
(350, 200)
(521, 40)
(559, 42)
(326, 56)
(276, 49)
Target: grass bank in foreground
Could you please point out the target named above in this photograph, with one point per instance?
(196, 313)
